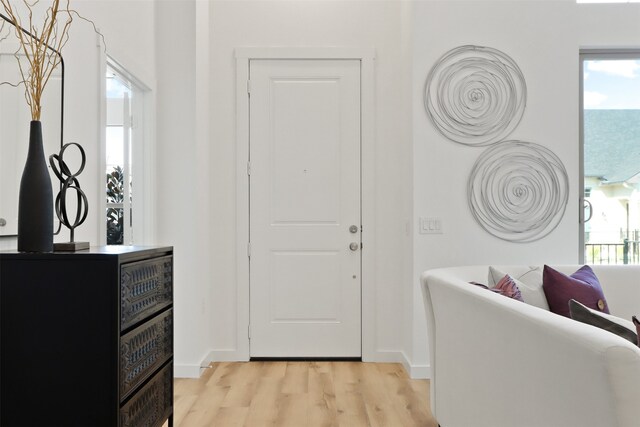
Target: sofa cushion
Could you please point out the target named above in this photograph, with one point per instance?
(613, 324)
(583, 286)
(528, 280)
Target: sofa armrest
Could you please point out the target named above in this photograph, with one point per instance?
(499, 362)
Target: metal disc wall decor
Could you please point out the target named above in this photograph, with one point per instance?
(518, 191)
(475, 95)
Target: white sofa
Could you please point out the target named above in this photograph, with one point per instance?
(498, 362)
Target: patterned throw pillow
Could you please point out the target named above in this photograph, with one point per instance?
(582, 286)
(505, 286)
(529, 281)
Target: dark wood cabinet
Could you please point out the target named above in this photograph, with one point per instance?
(86, 338)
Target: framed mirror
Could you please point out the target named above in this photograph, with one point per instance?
(14, 131)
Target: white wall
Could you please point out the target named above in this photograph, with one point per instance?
(544, 38)
(183, 174)
(127, 27)
(312, 23)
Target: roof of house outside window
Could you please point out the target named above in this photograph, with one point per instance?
(612, 144)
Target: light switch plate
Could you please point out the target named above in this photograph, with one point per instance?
(430, 225)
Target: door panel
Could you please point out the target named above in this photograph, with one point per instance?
(317, 300)
(304, 196)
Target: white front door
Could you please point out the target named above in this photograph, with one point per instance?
(305, 233)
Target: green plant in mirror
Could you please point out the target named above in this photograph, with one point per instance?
(115, 215)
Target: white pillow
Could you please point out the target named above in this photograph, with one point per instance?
(529, 281)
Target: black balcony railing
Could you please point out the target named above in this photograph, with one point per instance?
(612, 253)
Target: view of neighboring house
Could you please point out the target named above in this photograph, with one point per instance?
(612, 176)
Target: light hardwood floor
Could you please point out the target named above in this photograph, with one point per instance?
(301, 394)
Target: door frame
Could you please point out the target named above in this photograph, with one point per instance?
(144, 152)
(366, 56)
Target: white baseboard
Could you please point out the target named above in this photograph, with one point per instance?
(385, 356)
(193, 371)
(226, 356)
(187, 371)
(416, 372)
(382, 356)
(395, 356)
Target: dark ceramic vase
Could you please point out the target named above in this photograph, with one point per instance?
(35, 204)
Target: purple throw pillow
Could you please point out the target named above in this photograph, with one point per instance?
(582, 286)
(506, 286)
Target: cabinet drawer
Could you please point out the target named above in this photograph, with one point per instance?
(143, 350)
(153, 404)
(145, 288)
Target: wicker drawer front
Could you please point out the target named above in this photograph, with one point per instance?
(145, 288)
(152, 404)
(143, 350)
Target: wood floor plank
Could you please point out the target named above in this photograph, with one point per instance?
(296, 378)
(224, 373)
(349, 401)
(322, 397)
(409, 407)
(263, 410)
(181, 407)
(230, 417)
(383, 415)
(372, 385)
(292, 410)
(302, 394)
(205, 408)
(273, 369)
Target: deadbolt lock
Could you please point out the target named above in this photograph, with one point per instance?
(353, 229)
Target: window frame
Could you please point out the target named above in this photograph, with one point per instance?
(590, 54)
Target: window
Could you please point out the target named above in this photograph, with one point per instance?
(124, 152)
(610, 117)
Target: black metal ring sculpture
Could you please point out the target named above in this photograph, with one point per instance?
(518, 191)
(69, 181)
(475, 95)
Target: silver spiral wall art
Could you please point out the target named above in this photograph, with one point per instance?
(475, 95)
(518, 191)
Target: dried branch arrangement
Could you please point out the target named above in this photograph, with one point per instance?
(40, 45)
(5, 33)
